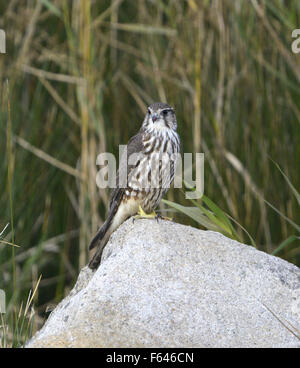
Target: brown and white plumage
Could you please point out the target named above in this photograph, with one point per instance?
(145, 174)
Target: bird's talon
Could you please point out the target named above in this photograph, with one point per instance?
(143, 215)
(167, 218)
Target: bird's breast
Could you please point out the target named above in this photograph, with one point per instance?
(155, 165)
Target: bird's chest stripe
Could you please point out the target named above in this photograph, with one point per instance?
(155, 166)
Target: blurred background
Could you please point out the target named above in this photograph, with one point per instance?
(76, 80)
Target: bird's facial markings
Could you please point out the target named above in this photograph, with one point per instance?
(167, 116)
(165, 112)
(155, 117)
(159, 117)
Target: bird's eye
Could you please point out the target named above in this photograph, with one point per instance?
(165, 112)
(149, 112)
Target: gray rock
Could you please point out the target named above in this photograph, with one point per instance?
(169, 285)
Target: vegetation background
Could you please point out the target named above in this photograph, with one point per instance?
(76, 80)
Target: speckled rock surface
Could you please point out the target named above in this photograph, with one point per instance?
(169, 285)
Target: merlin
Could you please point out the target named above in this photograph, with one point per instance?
(145, 173)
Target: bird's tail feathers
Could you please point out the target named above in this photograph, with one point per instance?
(100, 234)
(100, 243)
(103, 234)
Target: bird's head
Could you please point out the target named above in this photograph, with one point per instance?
(160, 116)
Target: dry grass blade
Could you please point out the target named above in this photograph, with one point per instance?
(23, 54)
(3, 231)
(30, 299)
(59, 100)
(9, 243)
(52, 76)
(134, 92)
(294, 190)
(106, 13)
(51, 160)
(142, 28)
(236, 163)
(292, 329)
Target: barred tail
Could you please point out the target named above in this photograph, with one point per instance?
(100, 234)
(118, 213)
(95, 261)
(100, 241)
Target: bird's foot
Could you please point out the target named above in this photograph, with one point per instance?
(143, 215)
(153, 215)
(160, 217)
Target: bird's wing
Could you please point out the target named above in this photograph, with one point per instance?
(135, 145)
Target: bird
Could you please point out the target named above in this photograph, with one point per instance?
(145, 173)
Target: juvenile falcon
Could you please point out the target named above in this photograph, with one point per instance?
(145, 174)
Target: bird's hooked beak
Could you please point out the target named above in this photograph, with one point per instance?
(154, 117)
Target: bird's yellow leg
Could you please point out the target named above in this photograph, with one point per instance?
(153, 215)
(142, 214)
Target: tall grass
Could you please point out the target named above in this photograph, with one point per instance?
(80, 76)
